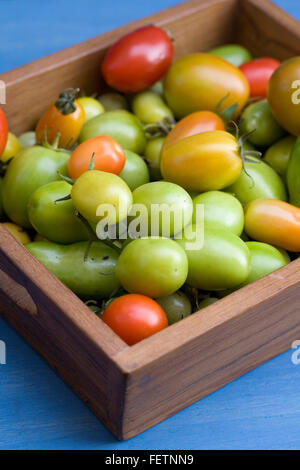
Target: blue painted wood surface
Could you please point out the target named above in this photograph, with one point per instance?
(261, 410)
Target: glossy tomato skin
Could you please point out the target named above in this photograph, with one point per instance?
(202, 162)
(233, 53)
(200, 121)
(200, 81)
(138, 60)
(278, 155)
(283, 95)
(3, 131)
(108, 156)
(134, 317)
(258, 73)
(274, 222)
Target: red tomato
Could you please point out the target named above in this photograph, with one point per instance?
(108, 156)
(258, 73)
(134, 317)
(3, 131)
(138, 60)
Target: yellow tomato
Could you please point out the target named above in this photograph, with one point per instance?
(91, 106)
(202, 162)
(17, 232)
(12, 147)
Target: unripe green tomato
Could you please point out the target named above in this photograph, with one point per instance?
(233, 53)
(55, 221)
(112, 101)
(91, 106)
(135, 172)
(176, 306)
(152, 157)
(150, 108)
(174, 213)
(220, 210)
(27, 139)
(120, 125)
(152, 266)
(223, 261)
(263, 182)
(207, 302)
(258, 117)
(278, 155)
(93, 277)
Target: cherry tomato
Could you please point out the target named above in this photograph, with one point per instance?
(150, 108)
(207, 302)
(91, 106)
(12, 147)
(278, 155)
(152, 157)
(135, 172)
(3, 131)
(65, 116)
(138, 59)
(108, 156)
(233, 53)
(258, 73)
(176, 306)
(112, 101)
(134, 317)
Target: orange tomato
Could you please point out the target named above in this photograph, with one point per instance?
(66, 116)
(200, 121)
(108, 156)
(274, 222)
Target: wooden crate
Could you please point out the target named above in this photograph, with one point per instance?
(133, 388)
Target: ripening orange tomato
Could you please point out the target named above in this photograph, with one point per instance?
(66, 116)
(274, 222)
(108, 156)
(200, 121)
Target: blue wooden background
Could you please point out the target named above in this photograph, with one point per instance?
(261, 410)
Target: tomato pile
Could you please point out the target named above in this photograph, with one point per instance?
(210, 137)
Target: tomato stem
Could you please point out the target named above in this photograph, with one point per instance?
(65, 103)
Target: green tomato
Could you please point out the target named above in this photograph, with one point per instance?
(152, 157)
(95, 188)
(150, 108)
(1, 199)
(261, 182)
(158, 87)
(221, 210)
(284, 254)
(207, 302)
(223, 262)
(176, 306)
(93, 277)
(28, 139)
(258, 117)
(112, 101)
(55, 221)
(91, 106)
(34, 167)
(293, 175)
(233, 53)
(175, 203)
(135, 172)
(278, 155)
(152, 266)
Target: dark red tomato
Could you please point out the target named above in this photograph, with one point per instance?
(3, 131)
(258, 73)
(134, 317)
(138, 60)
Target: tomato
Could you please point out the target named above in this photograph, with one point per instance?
(12, 147)
(3, 131)
(201, 121)
(149, 107)
(138, 59)
(158, 87)
(135, 172)
(91, 106)
(65, 116)
(152, 266)
(233, 53)
(134, 317)
(293, 174)
(34, 167)
(284, 96)
(258, 117)
(175, 203)
(91, 278)
(258, 73)
(18, 232)
(56, 222)
(108, 156)
(202, 162)
(27, 139)
(152, 157)
(207, 302)
(220, 210)
(176, 306)
(274, 222)
(200, 81)
(112, 101)
(260, 182)
(95, 188)
(121, 126)
(223, 261)
(278, 155)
